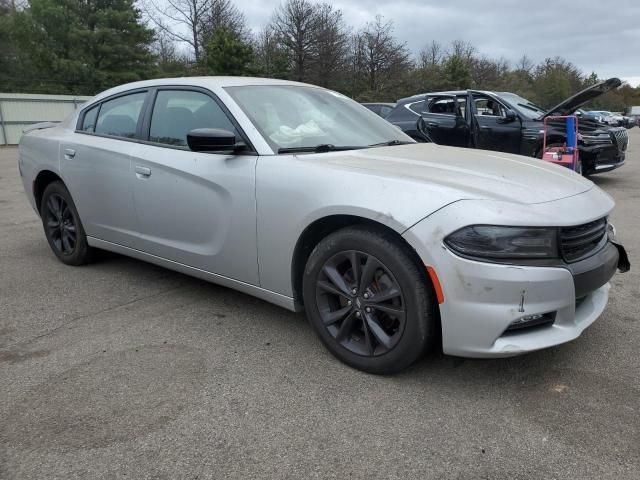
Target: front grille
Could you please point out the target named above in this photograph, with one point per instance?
(621, 138)
(580, 241)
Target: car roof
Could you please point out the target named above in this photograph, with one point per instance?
(420, 96)
(206, 82)
(388, 104)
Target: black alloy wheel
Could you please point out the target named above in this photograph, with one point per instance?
(360, 303)
(369, 299)
(60, 224)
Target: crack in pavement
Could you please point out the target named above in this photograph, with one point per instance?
(87, 315)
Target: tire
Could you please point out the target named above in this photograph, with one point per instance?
(366, 324)
(579, 168)
(62, 226)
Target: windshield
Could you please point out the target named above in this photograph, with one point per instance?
(291, 117)
(524, 106)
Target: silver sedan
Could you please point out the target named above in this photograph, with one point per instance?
(304, 198)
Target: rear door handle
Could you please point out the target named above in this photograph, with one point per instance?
(143, 172)
(69, 153)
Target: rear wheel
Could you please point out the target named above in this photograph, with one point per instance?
(62, 226)
(368, 300)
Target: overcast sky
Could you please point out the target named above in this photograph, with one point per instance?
(596, 35)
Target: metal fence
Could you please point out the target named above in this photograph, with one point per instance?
(19, 110)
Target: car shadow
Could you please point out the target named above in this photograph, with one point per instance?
(284, 322)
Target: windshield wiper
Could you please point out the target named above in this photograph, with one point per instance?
(323, 147)
(390, 143)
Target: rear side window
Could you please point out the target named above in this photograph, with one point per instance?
(89, 119)
(119, 117)
(177, 112)
(417, 107)
(443, 106)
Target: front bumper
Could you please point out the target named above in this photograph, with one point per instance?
(486, 299)
(601, 159)
(481, 300)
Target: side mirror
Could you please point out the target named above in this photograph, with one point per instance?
(509, 117)
(212, 140)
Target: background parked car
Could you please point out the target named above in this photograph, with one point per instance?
(633, 113)
(406, 115)
(611, 118)
(506, 122)
(590, 115)
(382, 109)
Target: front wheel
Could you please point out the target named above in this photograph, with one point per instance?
(369, 300)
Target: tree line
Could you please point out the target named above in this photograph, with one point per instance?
(85, 46)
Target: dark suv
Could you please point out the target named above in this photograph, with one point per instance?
(506, 122)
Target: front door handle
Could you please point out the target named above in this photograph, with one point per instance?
(69, 153)
(143, 172)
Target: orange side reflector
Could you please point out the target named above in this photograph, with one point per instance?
(436, 284)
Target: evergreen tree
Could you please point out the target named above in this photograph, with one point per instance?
(82, 46)
(228, 54)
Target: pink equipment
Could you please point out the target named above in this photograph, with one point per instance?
(566, 155)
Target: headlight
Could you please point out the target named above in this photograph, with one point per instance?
(496, 242)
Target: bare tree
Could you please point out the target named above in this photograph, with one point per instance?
(488, 73)
(224, 14)
(525, 64)
(169, 60)
(169, 16)
(383, 58)
(431, 55)
(296, 21)
(163, 48)
(271, 58)
(330, 46)
(462, 49)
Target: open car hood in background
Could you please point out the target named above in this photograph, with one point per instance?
(571, 104)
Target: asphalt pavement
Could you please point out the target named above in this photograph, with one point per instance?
(121, 369)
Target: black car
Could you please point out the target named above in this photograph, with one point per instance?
(506, 122)
(382, 109)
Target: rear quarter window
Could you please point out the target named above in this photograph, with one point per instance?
(119, 117)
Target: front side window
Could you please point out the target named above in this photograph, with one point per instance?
(177, 112)
(305, 117)
(489, 107)
(119, 117)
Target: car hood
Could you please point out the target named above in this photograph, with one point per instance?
(464, 173)
(571, 104)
